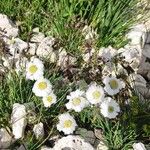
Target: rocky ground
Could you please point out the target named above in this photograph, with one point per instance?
(135, 55)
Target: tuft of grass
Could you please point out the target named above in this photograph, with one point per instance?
(64, 19)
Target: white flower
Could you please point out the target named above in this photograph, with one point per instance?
(113, 85)
(42, 87)
(49, 99)
(72, 142)
(95, 94)
(109, 108)
(38, 130)
(18, 120)
(139, 146)
(76, 101)
(67, 123)
(34, 69)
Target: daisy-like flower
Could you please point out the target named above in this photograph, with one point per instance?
(109, 108)
(34, 69)
(113, 85)
(42, 87)
(67, 123)
(95, 94)
(76, 101)
(49, 99)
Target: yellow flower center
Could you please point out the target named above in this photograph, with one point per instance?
(49, 99)
(113, 84)
(33, 69)
(67, 123)
(42, 85)
(110, 109)
(96, 95)
(76, 101)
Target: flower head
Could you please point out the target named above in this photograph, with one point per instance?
(95, 94)
(109, 108)
(34, 69)
(49, 99)
(113, 85)
(76, 101)
(67, 123)
(42, 87)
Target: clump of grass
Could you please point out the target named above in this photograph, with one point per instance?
(64, 19)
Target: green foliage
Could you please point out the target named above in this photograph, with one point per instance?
(13, 89)
(65, 19)
(140, 116)
(116, 135)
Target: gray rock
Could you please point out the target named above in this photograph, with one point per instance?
(38, 130)
(18, 120)
(139, 146)
(5, 138)
(8, 26)
(140, 85)
(22, 147)
(146, 50)
(88, 136)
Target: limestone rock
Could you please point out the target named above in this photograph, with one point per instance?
(132, 55)
(101, 146)
(22, 147)
(146, 50)
(129, 53)
(88, 136)
(64, 59)
(88, 54)
(71, 142)
(5, 138)
(7, 26)
(139, 84)
(21, 65)
(16, 46)
(32, 49)
(144, 66)
(18, 120)
(107, 53)
(89, 33)
(38, 130)
(45, 49)
(37, 36)
(46, 148)
(137, 35)
(139, 146)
